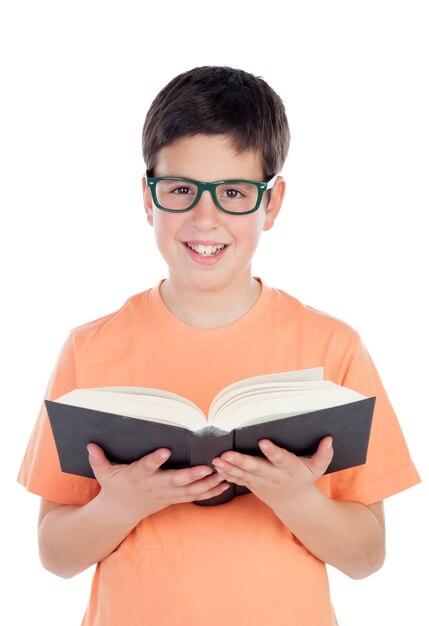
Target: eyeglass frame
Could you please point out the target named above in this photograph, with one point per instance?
(211, 187)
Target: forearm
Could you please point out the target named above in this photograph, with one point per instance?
(73, 538)
(347, 535)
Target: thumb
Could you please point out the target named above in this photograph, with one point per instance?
(322, 457)
(98, 462)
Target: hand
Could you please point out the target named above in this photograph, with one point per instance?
(280, 479)
(142, 488)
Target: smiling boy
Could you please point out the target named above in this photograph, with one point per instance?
(261, 557)
(214, 289)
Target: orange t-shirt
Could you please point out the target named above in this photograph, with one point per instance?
(234, 563)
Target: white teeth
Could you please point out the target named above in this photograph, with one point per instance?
(206, 250)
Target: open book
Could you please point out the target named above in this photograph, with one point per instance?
(293, 409)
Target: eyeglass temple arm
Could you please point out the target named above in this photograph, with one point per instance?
(271, 182)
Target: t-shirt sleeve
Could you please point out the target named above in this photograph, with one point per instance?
(40, 471)
(389, 468)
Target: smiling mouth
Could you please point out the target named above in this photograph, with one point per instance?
(207, 250)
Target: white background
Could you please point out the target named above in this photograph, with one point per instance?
(77, 79)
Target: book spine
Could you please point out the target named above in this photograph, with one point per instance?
(239, 490)
(202, 450)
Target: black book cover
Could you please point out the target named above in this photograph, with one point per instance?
(126, 439)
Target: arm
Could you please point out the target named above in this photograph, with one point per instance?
(347, 535)
(72, 538)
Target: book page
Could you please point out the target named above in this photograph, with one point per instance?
(312, 374)
(248, 393)
(164, 407)
(253, 409)
(147, 391)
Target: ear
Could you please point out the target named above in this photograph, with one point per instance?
(275, 203)
(147, 201)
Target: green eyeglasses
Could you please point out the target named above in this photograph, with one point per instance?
(236, 197)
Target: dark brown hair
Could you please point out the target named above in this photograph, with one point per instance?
(219, 100)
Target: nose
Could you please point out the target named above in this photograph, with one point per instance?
(205, 213)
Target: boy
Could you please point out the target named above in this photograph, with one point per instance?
(261, 557)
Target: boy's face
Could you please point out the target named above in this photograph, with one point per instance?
(210, 158)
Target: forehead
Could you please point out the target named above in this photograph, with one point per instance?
(208, 158)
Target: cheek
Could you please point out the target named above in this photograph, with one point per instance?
(165, 226)
(248, 228)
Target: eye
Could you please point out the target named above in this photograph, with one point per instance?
(231, 193)
(181, 191)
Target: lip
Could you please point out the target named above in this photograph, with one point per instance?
(205, 260)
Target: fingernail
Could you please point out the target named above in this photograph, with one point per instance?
(329, 444)
(204, 472)
(164, 454)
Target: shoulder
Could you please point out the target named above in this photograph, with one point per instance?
(311, 320)
(109, 325)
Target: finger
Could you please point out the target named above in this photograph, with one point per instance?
(150, 463)
(245, 462)
(238, 477)
(215, 491)
(183, 477)
(234, 473)
(320, 460)
(203, 485)
(213, 484)
(276, 455)
(96, 453)
(100, 465)
(210, 493)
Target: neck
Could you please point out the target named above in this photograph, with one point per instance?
(210, 309)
